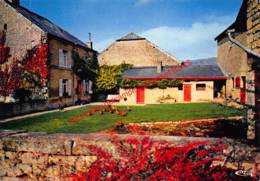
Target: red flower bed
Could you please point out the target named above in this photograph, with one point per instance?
(149, 160)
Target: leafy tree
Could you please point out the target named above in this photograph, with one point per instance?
(110, 76)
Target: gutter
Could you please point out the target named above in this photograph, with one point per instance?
(240, 45)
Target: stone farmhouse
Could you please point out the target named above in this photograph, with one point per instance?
(238, 63)
(26, 29)
(135, 50)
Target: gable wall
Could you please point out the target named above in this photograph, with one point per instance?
(21, 33)
(136, 52)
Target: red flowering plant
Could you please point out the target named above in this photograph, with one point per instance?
(153, 160)
(35, 65)
(10, 78)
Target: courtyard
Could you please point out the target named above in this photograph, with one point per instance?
(91, 120)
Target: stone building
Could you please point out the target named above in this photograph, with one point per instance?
(237, 63)
(136, 50)
(26, 29)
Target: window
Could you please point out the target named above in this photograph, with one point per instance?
(64, 58)
(65, 88)
(87, 87)
(200, 87)
(180, 87)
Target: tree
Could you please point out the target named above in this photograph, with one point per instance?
(110, 76)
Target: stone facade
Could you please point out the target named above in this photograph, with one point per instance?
(21, 34)
(56, 72)
(138, 52)
(253, 25)
(234, 61)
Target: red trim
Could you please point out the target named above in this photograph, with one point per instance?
(180, 78)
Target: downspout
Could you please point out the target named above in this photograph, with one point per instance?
(251, 52)
(240, 45)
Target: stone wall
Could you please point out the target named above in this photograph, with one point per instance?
(39, 156)
(253, 24)
(136, 52)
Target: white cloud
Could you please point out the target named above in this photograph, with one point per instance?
(142, 2)
(195, 41)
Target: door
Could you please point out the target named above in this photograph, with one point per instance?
(257, 94)
(243, 91)
(140, 95)
(187, 92)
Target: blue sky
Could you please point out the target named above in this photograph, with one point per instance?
(184, 28)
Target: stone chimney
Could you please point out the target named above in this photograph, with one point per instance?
(159, 68)
(89, 43)
(15, 2)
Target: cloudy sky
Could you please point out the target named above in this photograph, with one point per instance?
(184, 28)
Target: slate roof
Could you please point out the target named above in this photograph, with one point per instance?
(47, 26)
(240, 24)
(171, 72)
(131, 36)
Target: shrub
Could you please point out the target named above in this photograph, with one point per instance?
(148, 160)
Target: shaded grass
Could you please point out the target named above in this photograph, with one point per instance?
(58, 122)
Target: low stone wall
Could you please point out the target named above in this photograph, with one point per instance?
(39, 156)
(14, 109)
(52, 157)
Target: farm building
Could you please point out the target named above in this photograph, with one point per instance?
(193, 83)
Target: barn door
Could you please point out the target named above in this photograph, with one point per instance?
(187, 92)
(140, 95)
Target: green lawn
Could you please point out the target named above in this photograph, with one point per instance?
(58, 122)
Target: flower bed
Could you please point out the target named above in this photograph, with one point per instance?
(232, 128)
(156, 160)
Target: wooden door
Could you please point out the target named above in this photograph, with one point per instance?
(187, 92)
(140, 95)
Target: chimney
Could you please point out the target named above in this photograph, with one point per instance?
(15, 2)
(159, 68)
(89, 43)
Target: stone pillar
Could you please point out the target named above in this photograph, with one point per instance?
(253, 27)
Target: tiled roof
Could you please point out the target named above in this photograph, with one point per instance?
(193, 71)
(131, 36)
(47, 26)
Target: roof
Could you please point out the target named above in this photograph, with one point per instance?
(47, 26)
(131, 36)
(240, 24)
(202, 72)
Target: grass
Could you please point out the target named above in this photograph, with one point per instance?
(59, 122)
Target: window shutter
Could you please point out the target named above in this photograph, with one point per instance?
(60, 88)
(69, 59)
(70, 87)
(84, 87)
(237, 82)
(90, 87)
(61, 58)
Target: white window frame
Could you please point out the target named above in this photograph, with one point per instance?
(65, 58)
